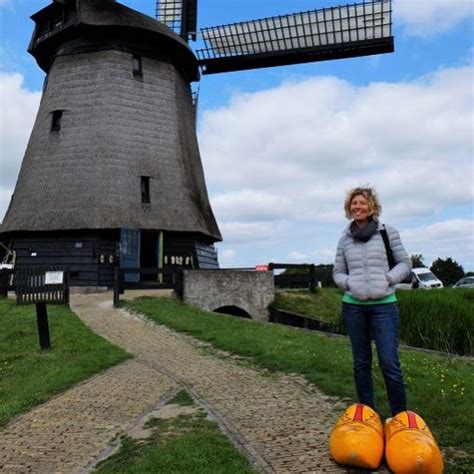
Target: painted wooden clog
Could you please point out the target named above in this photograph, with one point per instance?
(357, 438)
(410, 447)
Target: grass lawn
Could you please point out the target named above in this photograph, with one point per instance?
(29, 376)
(185, 443)
(440, 389)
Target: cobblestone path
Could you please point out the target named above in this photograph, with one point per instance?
(280, 422)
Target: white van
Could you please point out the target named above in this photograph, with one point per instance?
(425, 279)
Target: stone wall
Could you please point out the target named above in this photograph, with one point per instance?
(212, 289)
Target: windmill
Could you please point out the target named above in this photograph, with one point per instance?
(113, 157)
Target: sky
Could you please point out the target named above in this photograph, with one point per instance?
(282, 146)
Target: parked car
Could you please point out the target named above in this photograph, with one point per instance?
(466, 282)
(422, 278)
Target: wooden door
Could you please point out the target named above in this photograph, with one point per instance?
(130, 253)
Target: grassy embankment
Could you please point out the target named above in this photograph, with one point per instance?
(440, 389)
(29, 376)
(441, 320)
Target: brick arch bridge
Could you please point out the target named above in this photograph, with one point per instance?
(244, 290)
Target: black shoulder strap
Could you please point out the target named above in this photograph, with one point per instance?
(388, 249)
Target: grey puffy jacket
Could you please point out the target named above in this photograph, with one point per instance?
(361, 268)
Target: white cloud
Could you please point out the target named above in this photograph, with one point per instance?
(228, 253)
(245, 232)
(425, 18)
(227, 257)
(250, 204)
(450, 238)
(283, 158)
(324, 255)
(294, 255)
(18, 110)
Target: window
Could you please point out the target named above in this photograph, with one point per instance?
(145, 189)
(137, 65)
(56, 120)
(45, 83)
(129, 242)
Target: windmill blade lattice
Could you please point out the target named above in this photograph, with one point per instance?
(328, 33)
(179, 15)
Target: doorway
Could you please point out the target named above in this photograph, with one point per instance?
(149, 254)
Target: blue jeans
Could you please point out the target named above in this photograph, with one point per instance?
(378, 322)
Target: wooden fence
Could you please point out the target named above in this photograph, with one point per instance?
(37, 285)
(161, 278)
(305, 278)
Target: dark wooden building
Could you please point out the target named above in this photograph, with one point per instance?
(113, 160)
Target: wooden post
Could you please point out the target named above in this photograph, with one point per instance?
(4, 278)
(116, 286)
(66, 288)
(312, 278)
(178, 281)
(43, 327)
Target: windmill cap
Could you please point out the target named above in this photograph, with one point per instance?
(115, 21)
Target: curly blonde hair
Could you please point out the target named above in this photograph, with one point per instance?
(375, 208)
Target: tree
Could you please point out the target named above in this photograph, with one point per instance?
(323, 273)
(448, 271)
(417, 260)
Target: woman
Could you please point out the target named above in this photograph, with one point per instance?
(369, 308)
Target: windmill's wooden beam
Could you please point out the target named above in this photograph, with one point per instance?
(297, 56)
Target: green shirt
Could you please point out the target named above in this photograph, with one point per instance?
(350, 299)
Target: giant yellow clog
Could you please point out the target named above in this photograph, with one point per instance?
(357, 438)
(410, 448)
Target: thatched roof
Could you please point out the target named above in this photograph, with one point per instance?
(115, 128)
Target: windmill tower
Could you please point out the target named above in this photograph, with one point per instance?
(113, 155)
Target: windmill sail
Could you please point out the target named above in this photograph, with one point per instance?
(179, 15)
(329, 33)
